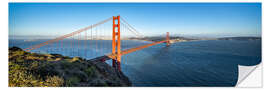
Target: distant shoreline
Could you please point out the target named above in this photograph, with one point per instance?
(172, 39)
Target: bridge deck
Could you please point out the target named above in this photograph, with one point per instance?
(112, 56)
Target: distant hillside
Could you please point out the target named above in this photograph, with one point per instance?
(157, 38)
(54, 70)
(240, 38)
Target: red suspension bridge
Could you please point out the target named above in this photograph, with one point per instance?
(87, 39)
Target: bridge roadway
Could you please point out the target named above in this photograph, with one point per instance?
(113, 55)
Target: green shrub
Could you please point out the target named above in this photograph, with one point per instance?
(19, 53)
(54, 81)
(19, 77)
(72, 81)
(90, 71)
(34, 65)
(38, 70)
(66, 64)
(74, 59)
(19, 59)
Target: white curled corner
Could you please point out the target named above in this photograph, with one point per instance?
(249, 76)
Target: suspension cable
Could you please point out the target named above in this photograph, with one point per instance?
(132, 28)
(67, 35)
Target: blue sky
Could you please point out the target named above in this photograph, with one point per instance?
(198, 19)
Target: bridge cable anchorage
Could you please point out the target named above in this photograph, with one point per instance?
(65, 36)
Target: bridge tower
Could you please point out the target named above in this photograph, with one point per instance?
(168, 39)
(116, 43)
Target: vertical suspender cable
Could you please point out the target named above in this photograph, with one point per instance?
(71, 46)
(79, 38)
(102, 44)
(85, 44)
(96, 43)
(92, 54)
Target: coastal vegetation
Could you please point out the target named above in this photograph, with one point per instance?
(54, 70)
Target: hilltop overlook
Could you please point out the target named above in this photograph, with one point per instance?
(54, 70)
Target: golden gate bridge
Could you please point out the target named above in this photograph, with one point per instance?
(89, 37)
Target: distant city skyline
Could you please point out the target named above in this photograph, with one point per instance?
(187, 19)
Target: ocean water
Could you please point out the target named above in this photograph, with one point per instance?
(195, 63)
